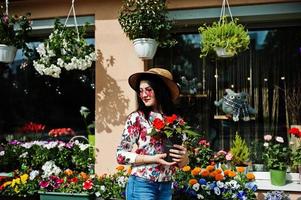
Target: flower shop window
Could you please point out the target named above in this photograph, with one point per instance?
(268, 71)
(53, 102)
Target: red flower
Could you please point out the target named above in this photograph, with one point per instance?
(87, 185)
(61, 131)
(171, 119)
(32, 127)
(73, 180)
(158, 124)
(295, 131)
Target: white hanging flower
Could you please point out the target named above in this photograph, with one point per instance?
(53, 60)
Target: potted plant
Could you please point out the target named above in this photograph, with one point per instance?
(277, 156)
(240, 151)
(13, 35)
(171, 130)
(146, 24)
(66, 49)
(226, 38)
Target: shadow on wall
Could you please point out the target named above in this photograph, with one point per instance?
(111, 102)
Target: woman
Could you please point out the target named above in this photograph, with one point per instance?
(151, 175)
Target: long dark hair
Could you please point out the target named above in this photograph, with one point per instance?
(162, 94)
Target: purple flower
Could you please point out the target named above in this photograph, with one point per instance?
(14, 142)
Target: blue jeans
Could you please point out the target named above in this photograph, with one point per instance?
(142, 189)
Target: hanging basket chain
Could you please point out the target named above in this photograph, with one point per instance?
(223, 11)
(6, 7)
(74, 17)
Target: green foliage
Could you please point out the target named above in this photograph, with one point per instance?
(256, 153)
(296, 157)
(229, 35)
(14, 29)
(239, 150)
(146, 19)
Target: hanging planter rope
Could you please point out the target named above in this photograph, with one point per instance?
(65, 49)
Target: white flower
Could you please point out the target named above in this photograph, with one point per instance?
(266, 144)
(199, 196)
(24, 155)
(33, 174)
(279, 139)
(217, 191)
(103, 188)
(2, 153)
(220, 184)
(196, 187)
(41, 49)
(97, 194)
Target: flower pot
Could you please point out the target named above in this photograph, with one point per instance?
(7, 53)
(34, 197)
(278, 177)
(168, 144)
(145, 48)
(223, 53)
(63, 196)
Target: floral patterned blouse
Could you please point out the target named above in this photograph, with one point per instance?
(136, 132)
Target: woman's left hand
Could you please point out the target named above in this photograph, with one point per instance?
(179, 154)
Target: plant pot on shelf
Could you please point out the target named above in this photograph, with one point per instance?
(63, 196)
(278, 177)
(168, 144)
(7, 53)
(145, 48)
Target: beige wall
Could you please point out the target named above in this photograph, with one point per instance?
(113, 97)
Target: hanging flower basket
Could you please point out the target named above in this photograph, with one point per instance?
(13, 34)
(145, 48)
(7, 53)
(224, 38)
(65, 49)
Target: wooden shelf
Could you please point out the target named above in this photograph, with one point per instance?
(225, 117)
(194, 95)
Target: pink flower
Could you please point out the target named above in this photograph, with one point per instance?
(279, 139)
(267, 137)
(229, 156)
(44, 184)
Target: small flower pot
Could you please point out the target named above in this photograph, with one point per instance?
(223, 53)
(145, 48)
(278, 177)
(7, 53)
(168, 144)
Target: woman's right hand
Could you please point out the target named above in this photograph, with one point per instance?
(159, 159)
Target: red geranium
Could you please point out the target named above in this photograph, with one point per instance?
(158, 124)
(61, 132)
(171, 125)
(295, 131)
(31, 127)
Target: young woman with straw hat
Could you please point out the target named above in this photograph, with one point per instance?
(151, 175)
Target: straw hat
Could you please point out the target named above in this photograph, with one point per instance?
(164, 74)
